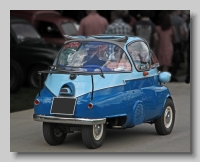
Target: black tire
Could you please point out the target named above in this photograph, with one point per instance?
(165, 123)
(93, 135)
(52, 134)
(34, 78)
(16, 77)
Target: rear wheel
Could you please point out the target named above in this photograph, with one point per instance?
(53, 135)
(16, 77)
(34, 78)
(93, 135)
(165, 123)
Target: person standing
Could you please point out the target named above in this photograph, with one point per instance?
(166, 36)
(187, 79)
(185, 39)
(146, 29)
(118, 26)
(129, 19)
(92, 24)
(178, 23)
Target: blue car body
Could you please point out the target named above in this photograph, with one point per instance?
(132, 97)
(139, 99)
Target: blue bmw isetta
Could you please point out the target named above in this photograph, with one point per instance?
(103, 82)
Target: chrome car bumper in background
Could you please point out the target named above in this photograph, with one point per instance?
(77, 121)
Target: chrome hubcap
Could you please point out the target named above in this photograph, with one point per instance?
(168, 117)
(97, 131)
(57, 132)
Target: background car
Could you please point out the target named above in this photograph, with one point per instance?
(28, 54)
(50, 24)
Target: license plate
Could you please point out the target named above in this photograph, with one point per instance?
(63, 105)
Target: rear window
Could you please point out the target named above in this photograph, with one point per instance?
(94, 55)
(69, 28)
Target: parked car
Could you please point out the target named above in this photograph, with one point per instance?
(49, 23)
(103, 82)
(28, 54)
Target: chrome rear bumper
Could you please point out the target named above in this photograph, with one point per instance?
(76, 121)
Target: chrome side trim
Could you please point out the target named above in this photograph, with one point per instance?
(76, 121)
(124, 83)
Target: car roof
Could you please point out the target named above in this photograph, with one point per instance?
(118, 39)
(36, 12)
(54, 19)
(14, 19)
(45, 15)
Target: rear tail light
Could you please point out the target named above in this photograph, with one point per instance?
(90, 105)
(37, 102)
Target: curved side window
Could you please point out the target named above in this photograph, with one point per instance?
(139, 53)
(154, 61)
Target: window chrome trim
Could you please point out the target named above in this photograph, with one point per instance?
(124, 81)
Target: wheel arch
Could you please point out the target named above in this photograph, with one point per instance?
(30, 78)
(163, 106)
(132, 119)
(41, 63)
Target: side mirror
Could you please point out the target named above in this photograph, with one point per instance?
(164, 77)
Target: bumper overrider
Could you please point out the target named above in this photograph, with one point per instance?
(76, 121)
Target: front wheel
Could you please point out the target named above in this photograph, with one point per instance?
(53, 135)
(93, 135)
(165, 123)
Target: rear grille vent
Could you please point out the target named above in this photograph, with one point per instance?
(67, 89)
